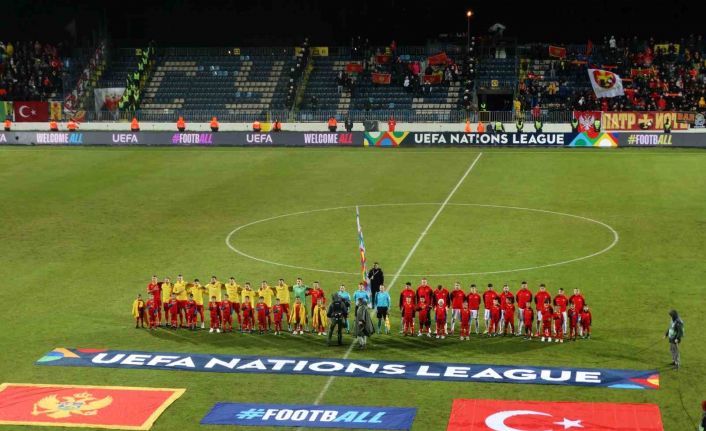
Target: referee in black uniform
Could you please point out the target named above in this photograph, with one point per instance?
(377, 278)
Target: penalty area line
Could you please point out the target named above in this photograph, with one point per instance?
(330, 380)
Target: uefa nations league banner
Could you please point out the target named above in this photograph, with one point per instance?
(595, 377)
(310, 416)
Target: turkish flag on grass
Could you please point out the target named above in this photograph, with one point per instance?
(83, 406)
(498, 415)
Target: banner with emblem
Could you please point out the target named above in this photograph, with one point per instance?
(55, 109)
(31, 111)
(605, 83)
(5, 110)
(107, 98)
(503, 415)
(115, 407)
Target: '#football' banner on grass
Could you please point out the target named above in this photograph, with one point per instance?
(310, 416)
(114, 407)
(597, 377)
(496, 415)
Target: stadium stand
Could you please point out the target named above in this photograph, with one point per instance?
(218, 82)
(30, 71)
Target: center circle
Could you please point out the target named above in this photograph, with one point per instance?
(457, 238)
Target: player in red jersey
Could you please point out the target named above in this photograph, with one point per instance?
(465, 318)
(226, 314)
(173, 311)
(542, 297)
(190, 308)
(407, 292)
(316, 292)
(440, 312)
(441, 293)
(424, 291)
(523, 296)
(573, 317)
(247, 310)
(155, 290)
(152, 312)
(424, 310)
(457, 296)
(489, 297)
(215, 315)
(262, 311)
(408, 310)
(558, 317)
(495, 316)
(585, 320)
(277, 312)
(561, 302)
(509, 316)
(546, 318)
(578, 300)
(473, 299)
(503, 300)
(527, 320)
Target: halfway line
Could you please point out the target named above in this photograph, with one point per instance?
(326, 387)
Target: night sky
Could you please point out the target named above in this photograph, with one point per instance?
(285, 22)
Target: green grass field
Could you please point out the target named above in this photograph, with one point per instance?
(83, 229)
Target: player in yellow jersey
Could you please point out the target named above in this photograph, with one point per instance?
(266, 293)
(182, 296)
(166, 295)
(282, 292)
(215, 288)
(233, 290)
(198, 290)
(247, 292)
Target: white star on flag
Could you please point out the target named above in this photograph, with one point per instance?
(568, 423)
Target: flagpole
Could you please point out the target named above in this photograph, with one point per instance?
(361, 249)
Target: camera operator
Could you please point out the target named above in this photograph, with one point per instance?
(338, 315)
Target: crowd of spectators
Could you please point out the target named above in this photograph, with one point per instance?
(656, 76)
(30, 70)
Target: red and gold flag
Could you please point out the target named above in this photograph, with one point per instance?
(114, 407)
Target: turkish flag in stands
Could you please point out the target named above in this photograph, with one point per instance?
(31, 111)
(497, 415)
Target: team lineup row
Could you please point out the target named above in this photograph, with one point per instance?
(183, 304)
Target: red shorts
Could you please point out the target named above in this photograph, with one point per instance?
(285, 308)
(236, 308)
(182, 304)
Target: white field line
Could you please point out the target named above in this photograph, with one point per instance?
(330, 380)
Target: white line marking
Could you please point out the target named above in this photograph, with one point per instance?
(330, 380)
(613, 232)
(431, 222)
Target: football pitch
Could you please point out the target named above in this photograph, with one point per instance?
(84, 229)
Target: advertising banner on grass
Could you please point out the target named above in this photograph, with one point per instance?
(648, 120)
(505, 415)
(114, 407)
(310, 416)
(566, 376)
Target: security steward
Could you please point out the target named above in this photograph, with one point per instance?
(277, 126)
(181, 124)
(53, 127)
(667, 125)
(597, 125)
(574, 125)
(348, 124)
(391, 123)
(256, 126)
(134, 125)
(519, 124)
(72, 125)
(214, 124)
(538, 125)
(8, 124)
(332, 124)
(499, 127)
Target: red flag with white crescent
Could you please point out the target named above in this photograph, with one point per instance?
(503, 415)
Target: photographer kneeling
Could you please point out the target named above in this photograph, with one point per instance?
(337, 314)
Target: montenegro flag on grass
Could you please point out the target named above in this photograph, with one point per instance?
(114, 407)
